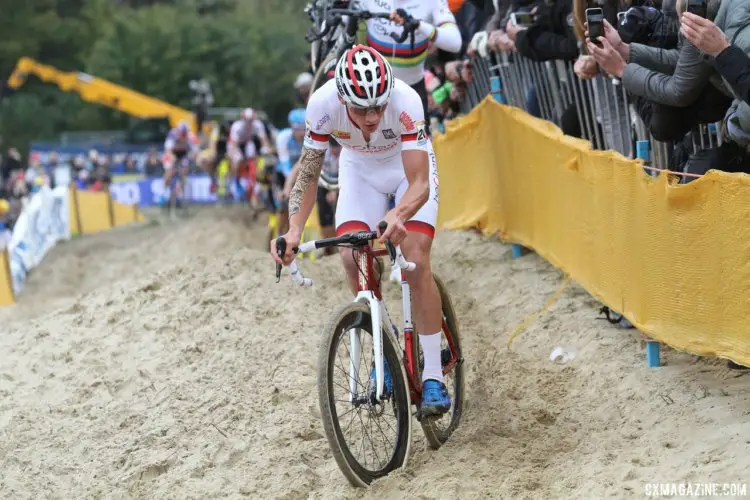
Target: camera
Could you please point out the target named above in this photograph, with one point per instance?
(525, 19)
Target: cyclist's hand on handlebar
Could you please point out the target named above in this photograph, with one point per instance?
(292, 242)
(397, 19)
(396, 232)
(402, 17)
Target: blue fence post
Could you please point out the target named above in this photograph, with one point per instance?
(642, 153)
(496, 88)
(653, 355)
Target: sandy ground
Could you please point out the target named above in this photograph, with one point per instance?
(164, 362)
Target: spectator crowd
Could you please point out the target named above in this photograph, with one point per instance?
(680, 64)
(20, 178)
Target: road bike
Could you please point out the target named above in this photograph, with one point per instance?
(334, 30)
(366, 325)
(175, 189)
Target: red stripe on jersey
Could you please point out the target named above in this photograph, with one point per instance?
(408, 137)
(319, 137)
(381, 67)
(350, 67)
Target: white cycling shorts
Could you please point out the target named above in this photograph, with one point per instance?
(235, 154)
(364, 186)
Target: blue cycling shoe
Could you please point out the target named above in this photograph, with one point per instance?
(435, 398)
(387, 382)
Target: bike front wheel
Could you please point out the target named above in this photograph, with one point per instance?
(369, 438)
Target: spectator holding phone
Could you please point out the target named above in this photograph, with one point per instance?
(607, 102)
(679, 78)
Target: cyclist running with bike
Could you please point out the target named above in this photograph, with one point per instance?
(436, 25)
(247, 137)
(379, 121)
(180, 147)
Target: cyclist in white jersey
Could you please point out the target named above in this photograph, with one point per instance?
(380, 124)
(180, 147)
(244, 135)
(436, 25)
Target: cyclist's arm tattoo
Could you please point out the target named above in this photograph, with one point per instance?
(310, 165)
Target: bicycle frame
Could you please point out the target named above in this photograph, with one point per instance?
(369, 292)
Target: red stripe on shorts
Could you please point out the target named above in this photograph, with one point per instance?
(417, 226)
(352, 226)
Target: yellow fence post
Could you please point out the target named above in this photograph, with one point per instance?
(74, 212)
(7, 297)
(111, 208)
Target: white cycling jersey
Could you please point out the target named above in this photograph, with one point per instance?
(242, 133)
(176, 142)
(438, 26)
(370, 171)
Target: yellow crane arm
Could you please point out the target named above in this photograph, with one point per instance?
(100, 91)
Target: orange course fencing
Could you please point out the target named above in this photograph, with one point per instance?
(674, 259)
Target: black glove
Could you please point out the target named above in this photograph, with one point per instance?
(408, 18)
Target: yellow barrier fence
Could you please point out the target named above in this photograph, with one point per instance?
(89, 213)
(672, 258)
(92, 212)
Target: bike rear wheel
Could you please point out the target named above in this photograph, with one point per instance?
(359, 461)
(437, 430)
(319, 78)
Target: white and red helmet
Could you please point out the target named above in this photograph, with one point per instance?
(364, 78)
(248, 114)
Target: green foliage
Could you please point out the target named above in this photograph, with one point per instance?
(250, 51)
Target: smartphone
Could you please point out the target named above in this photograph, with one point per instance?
(595, 20)
(621, 17)
(522, 18)
(698, 7)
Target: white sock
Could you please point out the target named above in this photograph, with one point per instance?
(433, 367)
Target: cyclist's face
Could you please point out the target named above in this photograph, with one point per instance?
(367, 119)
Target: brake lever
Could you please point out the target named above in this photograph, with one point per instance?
(383, 225)
(409, 30)
(334, 21)
(280, 251)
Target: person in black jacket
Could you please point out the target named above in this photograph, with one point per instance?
(552, 37)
